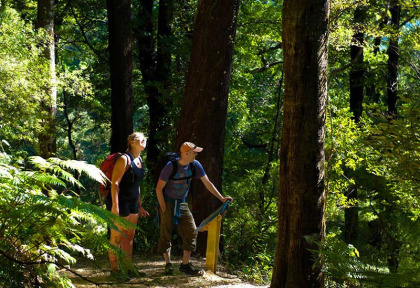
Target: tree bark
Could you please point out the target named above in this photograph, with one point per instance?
(121, 67)
(47, 139)
(393, 58)
(301, 192)
(204, 106)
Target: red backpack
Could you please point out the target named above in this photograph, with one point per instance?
(107, 167)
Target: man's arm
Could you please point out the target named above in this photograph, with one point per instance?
(159, 193)
(213, 190)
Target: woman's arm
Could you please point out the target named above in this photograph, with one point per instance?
(117, 174)
(142, 211)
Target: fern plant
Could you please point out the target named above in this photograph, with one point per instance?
(43, 224)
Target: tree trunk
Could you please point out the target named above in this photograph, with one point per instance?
(45, 20)
(121, 66)
(204, 106)
(356, 107)
(393, 51)
(156, 68)
(357, 70)
(392, 96)
(301, 191)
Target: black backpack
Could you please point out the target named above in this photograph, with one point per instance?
(171, 157)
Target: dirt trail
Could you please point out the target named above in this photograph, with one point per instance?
(153, 267)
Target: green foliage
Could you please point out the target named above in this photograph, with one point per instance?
(379, 158)
(43, 225)
(345, 266)
(23, 74)
(250, 225)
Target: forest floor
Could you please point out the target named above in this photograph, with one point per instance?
(97, 274)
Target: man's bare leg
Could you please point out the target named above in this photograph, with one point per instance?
(186, 257)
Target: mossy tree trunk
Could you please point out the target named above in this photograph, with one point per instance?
(47, 137)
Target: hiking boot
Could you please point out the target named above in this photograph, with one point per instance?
(190, 269)
(169, 269)
(118, 276)
(135, 274)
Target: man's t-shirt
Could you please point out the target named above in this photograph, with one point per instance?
(178, 189)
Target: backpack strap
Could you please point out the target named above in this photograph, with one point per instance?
(174, 169)
(192, 167)
(128, 166)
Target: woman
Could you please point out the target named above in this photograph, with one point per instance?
(125, 201)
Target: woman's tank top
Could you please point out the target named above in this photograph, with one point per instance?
(130, 182)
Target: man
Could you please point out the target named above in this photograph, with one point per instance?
(172, 192)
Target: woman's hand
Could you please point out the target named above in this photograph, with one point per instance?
(142, 212)
(115, 210)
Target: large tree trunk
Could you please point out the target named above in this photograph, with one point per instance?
(301, 192)
(45, 20)
(393, 51)
(156, 68)
(121, 66)
(204, 106)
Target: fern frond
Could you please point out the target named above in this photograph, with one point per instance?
(35, 227)
(38, 162)
(81, 167)
(44, 179)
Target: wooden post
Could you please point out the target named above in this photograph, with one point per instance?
(213, 236)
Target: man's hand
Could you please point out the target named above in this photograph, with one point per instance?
(227, 198)
(163, 207)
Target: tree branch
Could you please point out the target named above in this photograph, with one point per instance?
(253, 145)
(265, 67)
(408, 20)
(96, 52)
(338, 70)
(269, 49)
(260, 22)
(28, 263)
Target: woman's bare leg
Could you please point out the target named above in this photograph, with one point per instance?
(115, 239)
(128, 238)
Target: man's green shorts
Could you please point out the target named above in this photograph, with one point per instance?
(186, 228)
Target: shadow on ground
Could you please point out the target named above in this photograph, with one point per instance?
(97, 274)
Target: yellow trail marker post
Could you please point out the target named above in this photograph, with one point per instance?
(213, 237)
(212, 225)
